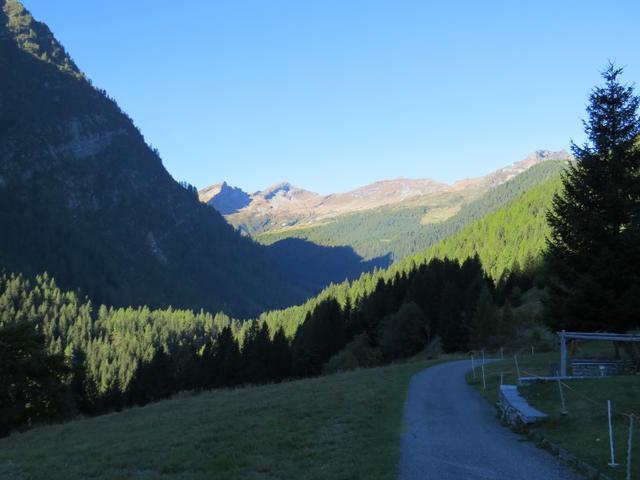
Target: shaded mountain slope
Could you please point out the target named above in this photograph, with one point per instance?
(314, 266)
(83, 196)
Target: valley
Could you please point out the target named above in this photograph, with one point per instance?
(151, 329)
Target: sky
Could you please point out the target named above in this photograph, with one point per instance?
(332, 95)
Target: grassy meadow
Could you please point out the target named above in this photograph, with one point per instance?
(583, 431)
(340, 426)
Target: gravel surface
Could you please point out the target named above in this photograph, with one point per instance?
(452, 433)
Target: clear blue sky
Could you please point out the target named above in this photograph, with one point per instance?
(331, 95)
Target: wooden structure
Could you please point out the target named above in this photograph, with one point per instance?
(611, 337)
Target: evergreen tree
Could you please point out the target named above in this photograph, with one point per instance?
(279, 357)
(152, 381)
(32, 381)
(320, 336)
(594, 247)
(403, 334)
(507, 323)
(450, 322)
(485, 322)
(227, 359)
(256, 351)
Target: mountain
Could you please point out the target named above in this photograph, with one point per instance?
(329, 239)
(285, 207)
(277, 206)
(397, 231)
(512, 236)
(225, 199)
(509, 238)
(84, 197)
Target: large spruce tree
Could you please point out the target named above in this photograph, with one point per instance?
(594, 248)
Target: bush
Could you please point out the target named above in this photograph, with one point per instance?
(356, 354)
(533, 334)
(433, 349)
(341, 362)
(366, 355)
(403, 334)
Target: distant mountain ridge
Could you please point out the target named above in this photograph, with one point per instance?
(284, 205)
(397, 231)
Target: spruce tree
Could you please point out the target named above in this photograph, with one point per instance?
(280, 357)
(485, 322)
(594, 248)
(403, 333)
(32, 381)
(450, 319)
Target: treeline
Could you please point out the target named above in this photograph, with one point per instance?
(398, 232)
(511, 238)
(60, 356)
(509, 242)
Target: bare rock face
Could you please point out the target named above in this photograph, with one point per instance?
(225, 199)
(510, 171)
(283, 205)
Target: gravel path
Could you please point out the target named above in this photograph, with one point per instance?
(452, 434)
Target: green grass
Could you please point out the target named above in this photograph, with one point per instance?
(583, 431)
(341, 426)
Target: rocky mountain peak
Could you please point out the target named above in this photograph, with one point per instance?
(224, 198)
(34, 37)
(280, 188)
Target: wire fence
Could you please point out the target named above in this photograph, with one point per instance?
(568, 396)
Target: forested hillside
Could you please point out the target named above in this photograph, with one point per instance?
(83, 197)
(61, 355)
(396, 233)
(510, 239)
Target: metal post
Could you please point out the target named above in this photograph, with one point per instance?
(612, 463)
(515, 357)
(629, 444)
(484, 382)
(533, 351)
(564, 408)
(501, 378)
(473, 368)
(563, 354)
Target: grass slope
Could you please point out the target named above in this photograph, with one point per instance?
(341, 426)
(583, 431)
